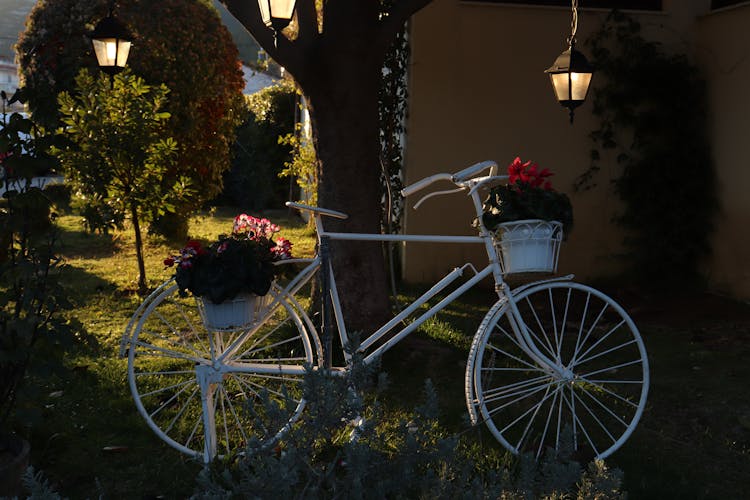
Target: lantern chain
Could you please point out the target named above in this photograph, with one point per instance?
(573, 22)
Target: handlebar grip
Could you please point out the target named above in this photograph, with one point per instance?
(413, 188)
(471, 171)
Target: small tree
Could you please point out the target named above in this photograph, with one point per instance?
(181, 43)
(120, 149)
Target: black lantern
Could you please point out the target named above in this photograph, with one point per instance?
(571, 72)
(111, 40)
(276, 14)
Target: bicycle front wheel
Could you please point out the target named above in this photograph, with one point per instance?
(577, 379)
(209, 393)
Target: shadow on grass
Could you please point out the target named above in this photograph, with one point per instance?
(78, 243)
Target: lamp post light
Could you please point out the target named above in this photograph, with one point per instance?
(571, 73)
(111, 41)
(276, 14)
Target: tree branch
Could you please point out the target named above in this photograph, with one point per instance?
(248, 13)
(285, 52)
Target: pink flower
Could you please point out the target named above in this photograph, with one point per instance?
(282, 250)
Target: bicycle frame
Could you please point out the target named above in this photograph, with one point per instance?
(493, 269)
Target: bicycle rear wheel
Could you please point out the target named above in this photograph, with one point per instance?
(210, 393)
(586, 392)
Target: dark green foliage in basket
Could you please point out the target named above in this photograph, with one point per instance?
(507, 204)
(527, 195)
(408, 457)
(242, 266)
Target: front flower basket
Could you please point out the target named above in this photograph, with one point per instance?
(234, 314)
(529, 245)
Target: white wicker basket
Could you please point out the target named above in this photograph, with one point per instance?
(527, 246)
(234, 314)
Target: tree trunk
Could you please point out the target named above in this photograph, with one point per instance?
(344, 114)
(337, 58)
(142, 286)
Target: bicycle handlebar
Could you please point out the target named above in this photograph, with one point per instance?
(413, 188)
(458, 177)
(468, 173)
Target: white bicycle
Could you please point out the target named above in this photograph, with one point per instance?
(552, 358)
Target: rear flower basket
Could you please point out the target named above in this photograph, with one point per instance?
(528, 246)
(233, 314)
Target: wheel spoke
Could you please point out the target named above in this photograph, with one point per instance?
(240, 427)
(264, 337)
(578, 424)
(614, 394)
(602, 339)
(546, 424)
(182, 410)
(516, 358)
(168, 388)
(531, 420)
(591, 329)
(605, 408)
(608, 351)
(546, 344)
(177, 332)
(505, 393)
(168, 352)
(610, 368)
(586, 407)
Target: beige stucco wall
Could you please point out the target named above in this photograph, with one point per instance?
(478, 92)
(723, 46)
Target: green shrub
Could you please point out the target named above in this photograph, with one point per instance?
(407, 457)
(252, 182)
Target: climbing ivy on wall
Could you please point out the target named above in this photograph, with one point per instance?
(393, 97)
(393, 102)
(652, 111)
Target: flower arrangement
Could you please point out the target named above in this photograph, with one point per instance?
(527, 195)
(239, 263)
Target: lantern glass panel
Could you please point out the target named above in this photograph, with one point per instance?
(574, 89)
(265, 12)
(282, 9)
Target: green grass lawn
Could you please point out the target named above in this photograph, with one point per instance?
(693, 440)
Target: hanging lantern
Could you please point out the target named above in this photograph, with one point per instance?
(276, 14)
(571, 73)
(111, 41)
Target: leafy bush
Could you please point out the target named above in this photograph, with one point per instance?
(412, 457)
(30, 296)
(253, 181)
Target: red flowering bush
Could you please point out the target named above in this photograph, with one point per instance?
(239, 263)
(528, 195)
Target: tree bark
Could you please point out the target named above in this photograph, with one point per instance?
(344, 114)
(338, 67)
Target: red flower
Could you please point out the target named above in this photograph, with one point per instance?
(194, 244)
(514, 170)
(169, 262)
